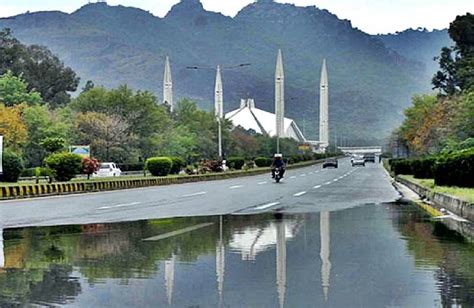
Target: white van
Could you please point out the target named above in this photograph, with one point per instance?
(107, 170)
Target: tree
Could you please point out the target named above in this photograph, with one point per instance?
(457, 63)
(53, 144)
(14, 91)
(42, 70)
(42, 124)
(104, 133)
(12, 127)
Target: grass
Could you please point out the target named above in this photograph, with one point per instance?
(466, 194)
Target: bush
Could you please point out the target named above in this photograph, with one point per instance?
(159, 166)
(64, 166)
(295, 159)
(401, 166)
(455, 169)
(178, 164)
(131, 167)
(235, 162)
(263, 162)
(12, 167)
(423, 168)
(89, 166)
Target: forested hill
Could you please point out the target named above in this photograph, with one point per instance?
(419, 45)
(370, 84)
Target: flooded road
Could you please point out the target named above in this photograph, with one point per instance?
(367, 256)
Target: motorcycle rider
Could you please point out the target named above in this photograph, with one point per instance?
(278, 162)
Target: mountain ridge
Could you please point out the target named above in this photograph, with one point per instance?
(129, 45)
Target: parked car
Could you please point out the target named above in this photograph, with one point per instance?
(369, 157)
(358, 161)
(330, 162)
(108, 170)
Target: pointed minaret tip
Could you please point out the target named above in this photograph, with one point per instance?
(279, 72)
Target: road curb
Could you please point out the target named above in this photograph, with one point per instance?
(53, 189)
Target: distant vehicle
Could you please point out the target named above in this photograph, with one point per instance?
(369, 157)
(108, 170)
(330, 162)
(358, 161)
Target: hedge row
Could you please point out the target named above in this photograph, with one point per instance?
(451, 169)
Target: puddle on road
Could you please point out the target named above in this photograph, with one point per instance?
(375, 255)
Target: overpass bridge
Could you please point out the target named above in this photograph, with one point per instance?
(361, 150)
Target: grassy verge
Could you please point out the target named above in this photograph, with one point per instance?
(466, 194)
(135, 177)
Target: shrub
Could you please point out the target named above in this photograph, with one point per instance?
(295, 159)
(263, 162)
(159, 166)
(235, 162)
(89, 166)
(423, 168)
(131, 167)
(12, 167)
(178, 164)
(401, 166)
(455, 169)
(64, 166)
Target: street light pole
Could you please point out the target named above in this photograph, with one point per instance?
(219, 100)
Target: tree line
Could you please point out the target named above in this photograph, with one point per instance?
(38, 117)
(444, 122)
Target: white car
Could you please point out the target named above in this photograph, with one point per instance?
(358, 161)
(108, 170)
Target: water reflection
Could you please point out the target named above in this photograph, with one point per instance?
(385, 255)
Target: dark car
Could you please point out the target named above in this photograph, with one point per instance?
(369, 157)
(330, 162)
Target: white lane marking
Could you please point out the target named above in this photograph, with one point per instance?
(293, 177)
(304, 174)
(178, 232)
(327, 183)
(317, 186)
(236, 186)
(261, 183)
(311, 172)
(341, 177)
(266, 206)
(335, 180)
(117, 205)
(299, 194)
(195, 194)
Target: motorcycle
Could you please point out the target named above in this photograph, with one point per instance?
(278, 175)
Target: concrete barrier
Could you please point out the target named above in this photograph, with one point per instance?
(459, 207)
(19, 191)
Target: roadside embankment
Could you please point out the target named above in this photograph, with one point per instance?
(456, 205)
(18, 191)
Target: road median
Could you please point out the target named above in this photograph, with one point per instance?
(19, 191)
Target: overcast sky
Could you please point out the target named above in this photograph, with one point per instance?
(372, 16)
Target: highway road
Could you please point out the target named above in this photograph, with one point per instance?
(310, 189)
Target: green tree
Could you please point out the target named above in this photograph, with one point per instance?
(42, 70)
(457, 63)
(14, 91)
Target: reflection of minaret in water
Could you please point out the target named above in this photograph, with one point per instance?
(281, 261)
(2, 256)
(220, 263)
(325, 253)
(169, 278)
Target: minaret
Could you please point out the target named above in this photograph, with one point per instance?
(169, 278)
(324, 107)
(280, 96)
(325, 253)
(168, 85)
(220, 263)
(281, 261)
(219, 96)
